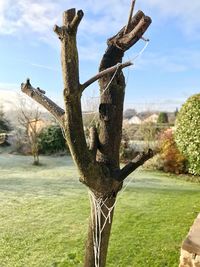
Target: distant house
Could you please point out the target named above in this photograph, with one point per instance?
(125, 121)
(152, 118)
(134, 120)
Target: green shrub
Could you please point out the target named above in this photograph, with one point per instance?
(163, 118)
(51, 140)
(172, 159)
(187, 134)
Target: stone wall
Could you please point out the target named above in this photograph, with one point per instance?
(190, 250)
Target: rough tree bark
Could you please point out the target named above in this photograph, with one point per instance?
(98, 163)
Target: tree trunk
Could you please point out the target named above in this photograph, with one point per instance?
(111, 110)
(98, 164)
(94, 236)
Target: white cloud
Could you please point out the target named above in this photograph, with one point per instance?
(44, 67)
(185, 13)
(101, 17)
(8, 95)
(8, 86)
(33, 17)
(27, 16)
(177, 61)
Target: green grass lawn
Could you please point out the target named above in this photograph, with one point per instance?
(44, 216)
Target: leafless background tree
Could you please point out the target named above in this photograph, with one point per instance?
(29, 118)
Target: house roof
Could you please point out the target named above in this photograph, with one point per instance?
(152, 118)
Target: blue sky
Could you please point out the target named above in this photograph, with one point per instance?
(164, 76)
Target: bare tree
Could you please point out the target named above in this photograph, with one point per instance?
(29, 117)
(98, 164)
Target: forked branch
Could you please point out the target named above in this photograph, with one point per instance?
(131, 33)
(134, 164)
(76, 20)
(71, 20)
(38, 95)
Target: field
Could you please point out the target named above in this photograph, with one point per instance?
(44, 215)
